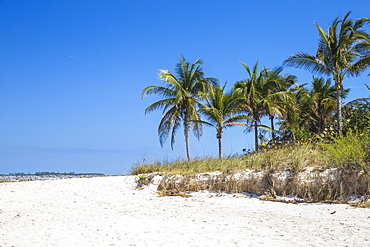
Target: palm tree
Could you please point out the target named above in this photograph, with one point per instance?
(321, 104)
(295, 113)
(312, 110)
(357, 114)
(275, 94)
(261, 95)
(221, 111)
(249, 89)
(180, 99)
(341, 51)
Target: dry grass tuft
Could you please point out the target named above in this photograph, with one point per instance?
(174, 192)
(365, 204)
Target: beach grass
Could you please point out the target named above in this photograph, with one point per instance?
(348, 152)
(294, 157)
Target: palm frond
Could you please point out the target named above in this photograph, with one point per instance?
(203, 122)
(246, 67)
(360, 66)
(324, 39)
(308, 62)
(170, 121)
(239, 119)
(158, 90)
(165, 103)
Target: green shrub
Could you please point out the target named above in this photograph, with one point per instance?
(351, 151)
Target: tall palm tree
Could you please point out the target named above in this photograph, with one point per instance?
(221, 109)
(261, 95)
(250, 90)
(180, 99)
(341, 51)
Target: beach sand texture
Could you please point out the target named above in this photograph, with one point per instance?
(108, 211)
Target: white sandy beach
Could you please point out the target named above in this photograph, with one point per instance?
(108, 211)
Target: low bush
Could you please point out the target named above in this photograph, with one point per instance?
(351, 151)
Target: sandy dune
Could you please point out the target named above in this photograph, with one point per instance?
(108, 211)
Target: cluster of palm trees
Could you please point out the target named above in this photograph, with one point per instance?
(343, 50)
(189, 95)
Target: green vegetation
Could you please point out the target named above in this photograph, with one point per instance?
(303, 113)
(351, 152)
(321, 146)
(342, 51)
(348, 152)
(309, 172)
(265, 93)
(314, 128)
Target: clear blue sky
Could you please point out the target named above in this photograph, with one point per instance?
(72, 71)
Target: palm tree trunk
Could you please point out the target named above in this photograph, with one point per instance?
(339, 107)
(272, 128)
(186, 137)
(219, 137)
(255, 136)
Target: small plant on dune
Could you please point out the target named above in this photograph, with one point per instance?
(144, 179)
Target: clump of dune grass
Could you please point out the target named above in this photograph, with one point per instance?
(292, 156)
